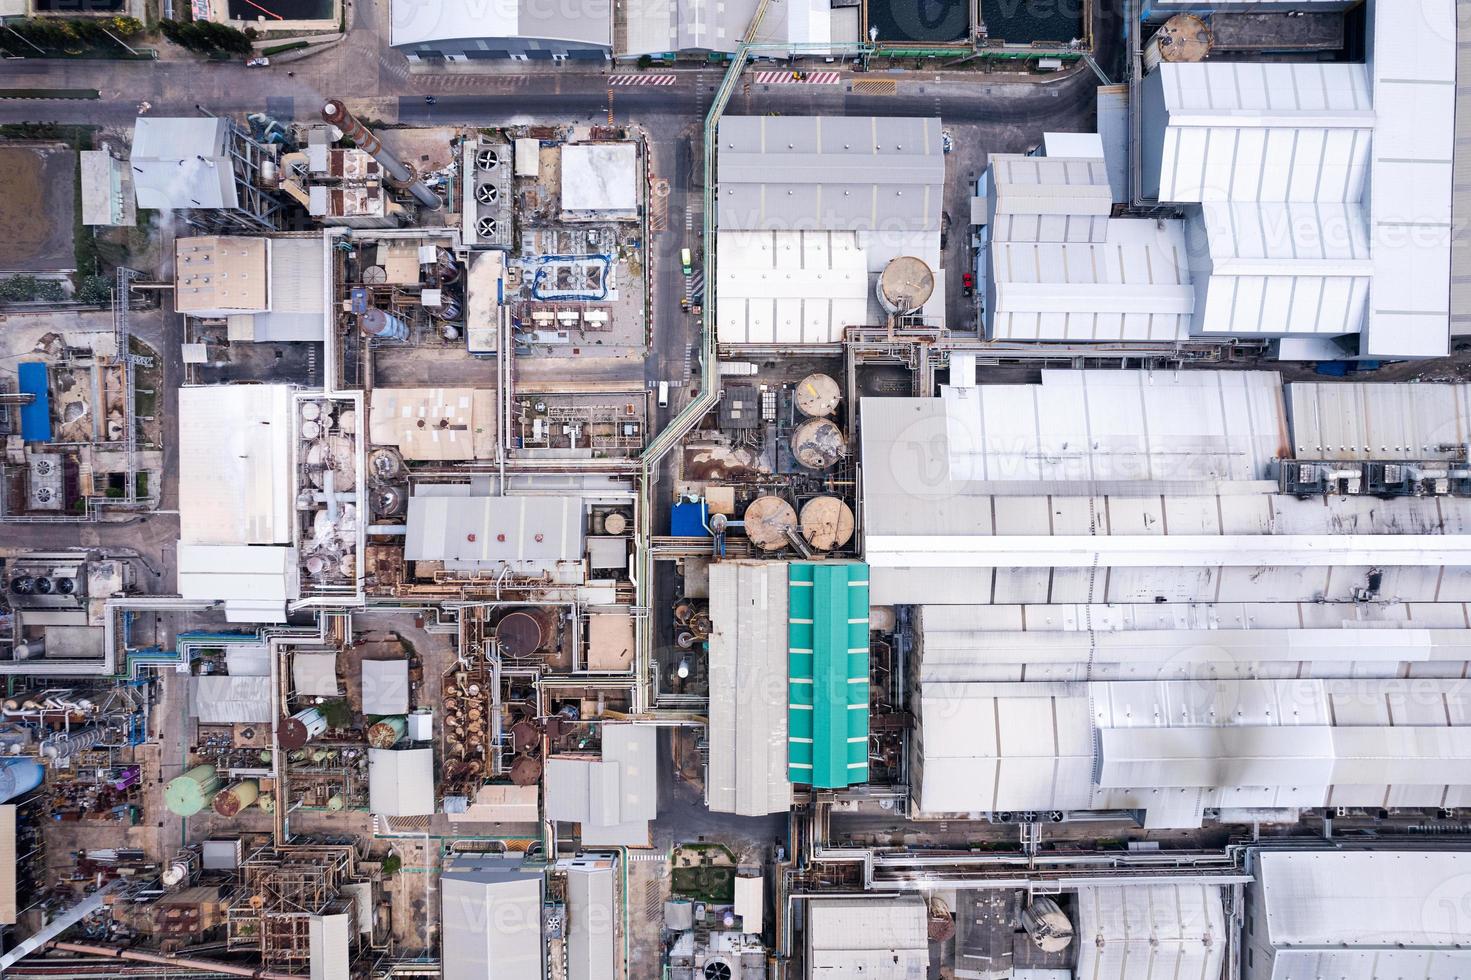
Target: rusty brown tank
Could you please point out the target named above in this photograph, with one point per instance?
(523, 632)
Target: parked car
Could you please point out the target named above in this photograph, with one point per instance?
(968, 284)
(258, 63)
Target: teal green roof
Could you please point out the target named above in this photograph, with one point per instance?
(827, 650)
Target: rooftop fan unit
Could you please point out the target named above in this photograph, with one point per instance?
(23, 585)
(43, 495)
(66, 586)
(717, 970)
(44, 585)
(43, 467)
(486, 227)
(487, 159)
(487, 193)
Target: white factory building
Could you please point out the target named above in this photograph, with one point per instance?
(1315, 203)
(236, 525)
(809, 211)
(1357, 915)
(1178, 593)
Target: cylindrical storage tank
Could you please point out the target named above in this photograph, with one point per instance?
(385, 733)
(1182, 38)
(818, 443)
(817, 396)
(905, 285)
(232, 799)
(382, 325)
(266, 802)
(767, 522)
(387, 501)
(526, 631)
(524, 736)
(385, 464)
(186, 795)
(18, 776)
(302, 727)
(827, 523)
(175, 874)
(615, 523)
(335, 802)
(526, 770)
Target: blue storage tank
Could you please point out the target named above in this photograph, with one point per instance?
(19, 776)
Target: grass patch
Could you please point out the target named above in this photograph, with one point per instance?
(283, 48)
(706, 884)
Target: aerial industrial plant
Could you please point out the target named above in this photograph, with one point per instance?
(802, 490)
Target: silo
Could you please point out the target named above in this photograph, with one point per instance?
(525, 631)
(818, 443)
(827, 523)
(905, 285)
(236, 797)
(767, 521)
(1182, 38)
(386, 732)
(382, 325)
(18, 776)
(186, 795)
(818, 396)
(302, 727)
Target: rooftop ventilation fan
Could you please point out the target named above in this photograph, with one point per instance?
(43, 495)
(23, 585)
(486, 227)
(44, 586)
(487, 193)
(66, 586)
(43, 467)
(487, 160)
(717, 970)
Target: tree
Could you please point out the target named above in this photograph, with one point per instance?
(94, 291)
(127, 26)
(25, 289)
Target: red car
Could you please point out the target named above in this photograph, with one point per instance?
(968, 284)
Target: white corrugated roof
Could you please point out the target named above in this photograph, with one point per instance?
(490, 913)
(614, 797)
(1261, 131)
(1176, 748)
(1178, 930)
(1323, 899)
(1413, 63)
(235, 474)
(883, 939)
(182, 163)
(747, 770)
(591, 922)
(1354, 421)
(401, 782)
(790, 286)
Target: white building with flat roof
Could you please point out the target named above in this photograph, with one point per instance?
(1141, 541)
(236, 524)
(1357, 915)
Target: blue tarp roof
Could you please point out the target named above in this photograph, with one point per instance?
(687, 520)
(35, 418)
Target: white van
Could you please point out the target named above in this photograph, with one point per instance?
(663, 394)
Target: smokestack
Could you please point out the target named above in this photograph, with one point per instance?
(335, 112)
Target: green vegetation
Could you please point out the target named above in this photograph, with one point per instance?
(283, 48)
(645, 62)
(337, 713)
(706, 884)
(391, 864)
(207, 37)
(94, 290)
(52, 37)
(140, 486)
(26, 289)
